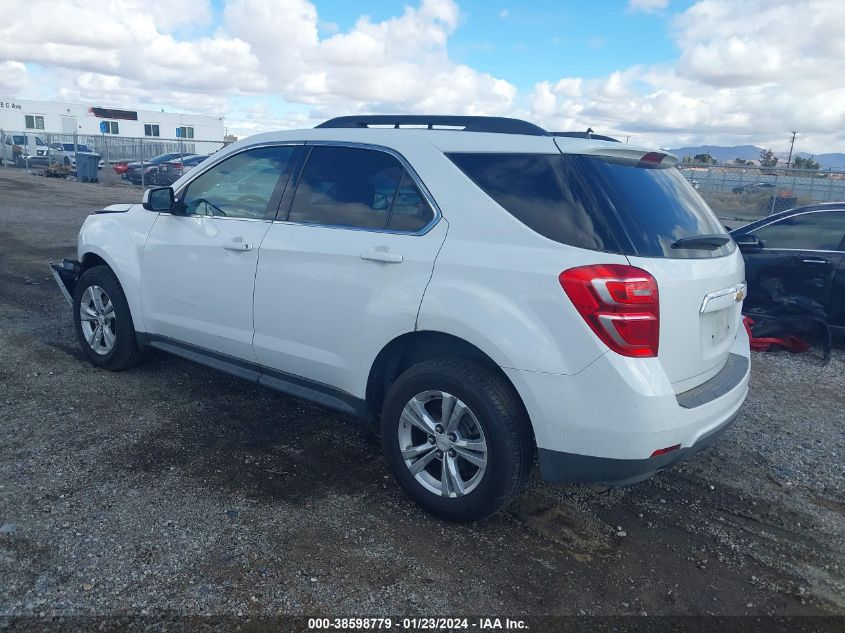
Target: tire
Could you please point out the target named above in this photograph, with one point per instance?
(116, 346)
(494, 418)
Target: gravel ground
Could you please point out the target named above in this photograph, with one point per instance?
(172, 488)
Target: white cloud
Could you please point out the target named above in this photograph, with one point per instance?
(746, 71)
(504, 13)
(648, 6)
(128, 51)
(13, 75)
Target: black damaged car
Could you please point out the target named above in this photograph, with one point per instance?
(795, 264)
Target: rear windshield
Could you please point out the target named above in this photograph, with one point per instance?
(597, 203)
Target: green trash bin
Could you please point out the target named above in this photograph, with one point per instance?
(86, 167)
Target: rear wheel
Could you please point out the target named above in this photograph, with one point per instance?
(457, 438)
(103, 322)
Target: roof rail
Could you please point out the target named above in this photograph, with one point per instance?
(588, 134)
(501, 125)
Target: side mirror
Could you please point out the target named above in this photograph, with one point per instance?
(748, 242)
(158, 199)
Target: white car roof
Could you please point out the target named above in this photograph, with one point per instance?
(445, 140)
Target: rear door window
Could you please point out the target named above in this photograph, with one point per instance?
(410, 210)
(597, 203)
(357, 188)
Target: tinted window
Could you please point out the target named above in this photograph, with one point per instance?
(410, 210)
(240, 186)
(346, 186)
(657, 207)
(820, 231)
(596, 204)
(548, 194)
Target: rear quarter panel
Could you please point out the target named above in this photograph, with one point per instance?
(495, 282)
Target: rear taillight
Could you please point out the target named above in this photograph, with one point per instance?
(619, 303)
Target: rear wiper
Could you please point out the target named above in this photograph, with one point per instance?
(704, 242)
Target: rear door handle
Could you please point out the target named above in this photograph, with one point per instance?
(815, 261)
(382, 255)
(237, 244)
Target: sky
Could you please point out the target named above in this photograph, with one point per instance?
(662, 73)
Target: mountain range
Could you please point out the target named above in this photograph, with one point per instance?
(752, 152)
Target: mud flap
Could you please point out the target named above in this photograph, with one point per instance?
(66, 275)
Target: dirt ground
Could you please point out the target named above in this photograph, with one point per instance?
(171, 487)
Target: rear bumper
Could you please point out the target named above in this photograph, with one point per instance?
(562, 467)
(603, 424)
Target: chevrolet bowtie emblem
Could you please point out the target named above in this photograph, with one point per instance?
(740, 294)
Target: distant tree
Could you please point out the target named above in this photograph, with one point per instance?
(706, 159)
(805, 163)
(768, 158)
(740, 161)
(687, 159)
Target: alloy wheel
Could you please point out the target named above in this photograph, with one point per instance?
(442, 444)
(97, 317)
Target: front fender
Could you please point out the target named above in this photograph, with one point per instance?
(119, 239)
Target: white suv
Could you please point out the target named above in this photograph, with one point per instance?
(479, 287)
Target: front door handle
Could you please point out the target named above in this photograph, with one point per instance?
(382, 255)
(237, 244)
(815, 261)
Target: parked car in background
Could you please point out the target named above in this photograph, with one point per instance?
(171, 171)
(150, 166)
(65, 153)
(480, 292)
(795, 263)
(757, 187)
(17, 148)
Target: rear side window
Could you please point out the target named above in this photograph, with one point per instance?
(596, 203)
(358, 188)
(547, 194)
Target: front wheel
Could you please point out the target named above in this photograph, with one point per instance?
(457, 438)
(103, 322)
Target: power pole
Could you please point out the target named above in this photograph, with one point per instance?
(791, 145)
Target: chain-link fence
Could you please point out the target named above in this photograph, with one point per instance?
(140, 160)
(754, 191)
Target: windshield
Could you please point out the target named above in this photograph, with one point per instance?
(597, 203)
(38, 141)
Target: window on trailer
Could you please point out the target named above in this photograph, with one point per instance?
(151, 129)
(186, 131)
(112, 127)
(34, 122)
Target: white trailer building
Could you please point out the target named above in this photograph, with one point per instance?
(50, 117)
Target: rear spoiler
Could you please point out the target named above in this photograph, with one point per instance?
(617, 151)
